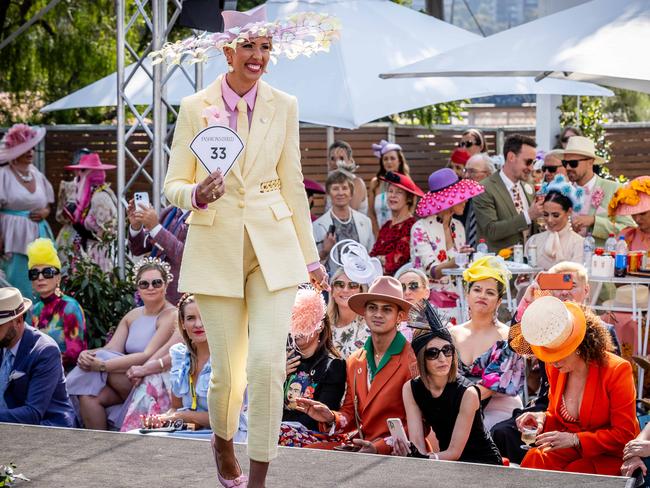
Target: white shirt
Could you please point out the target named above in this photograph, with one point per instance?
(509, 185)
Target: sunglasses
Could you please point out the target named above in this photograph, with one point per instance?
(573, 163)
(144, 284)
(432, 353)
(342, 284)
(530, 162)
(550, 169)
(47, 273)
(412, 285)
(468, 144)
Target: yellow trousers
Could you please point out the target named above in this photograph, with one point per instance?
(247, 338)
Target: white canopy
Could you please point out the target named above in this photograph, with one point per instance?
(342, 88)
(602, 41)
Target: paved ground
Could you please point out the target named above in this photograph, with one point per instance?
(69, 458)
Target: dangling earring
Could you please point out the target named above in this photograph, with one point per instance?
(230, 68)
(58, 291)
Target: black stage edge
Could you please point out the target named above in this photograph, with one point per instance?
(71, 458)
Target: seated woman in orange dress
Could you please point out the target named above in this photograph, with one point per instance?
(591, 412)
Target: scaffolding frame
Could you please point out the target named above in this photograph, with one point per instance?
(158, 17)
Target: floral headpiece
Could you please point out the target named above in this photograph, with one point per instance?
(383, 147)
(562, 186)
(149, 261)
(303, 33)
(630, 195)
(308, 312)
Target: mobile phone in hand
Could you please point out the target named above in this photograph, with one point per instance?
(141, 199)
(397, 431)
(555, 281)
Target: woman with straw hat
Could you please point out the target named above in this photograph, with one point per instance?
(249, 243)
(591, 413)
(25, 199)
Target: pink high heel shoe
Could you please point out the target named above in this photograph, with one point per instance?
(240, 481)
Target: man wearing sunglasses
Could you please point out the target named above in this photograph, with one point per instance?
(578, 158)
(506, 212)
(552, 167)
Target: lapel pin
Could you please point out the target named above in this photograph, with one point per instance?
(264, 120)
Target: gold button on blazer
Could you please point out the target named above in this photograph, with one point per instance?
(264, 194)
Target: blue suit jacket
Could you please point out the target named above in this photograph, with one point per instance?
(38, 396)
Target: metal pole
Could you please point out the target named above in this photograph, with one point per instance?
(121, 173)
(198, 77)
(159, 119)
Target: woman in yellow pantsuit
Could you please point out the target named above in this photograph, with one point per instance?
(249, 243)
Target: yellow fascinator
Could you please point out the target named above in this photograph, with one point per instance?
(487, 267)
(41, 252)
(631, 199)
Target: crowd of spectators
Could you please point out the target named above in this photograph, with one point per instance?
(389, 343)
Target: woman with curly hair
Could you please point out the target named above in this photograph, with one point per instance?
(591, 413)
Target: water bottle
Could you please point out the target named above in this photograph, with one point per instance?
(588, 248)
(610, 244)
(481, 250)
(620, 262)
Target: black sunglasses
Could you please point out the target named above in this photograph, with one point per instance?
(432, 353)
(144, 284)
(46, 272)
(530, 162)
(341, 285)
(411, 285)
(573, 163)
(468, 144)
(550, 169)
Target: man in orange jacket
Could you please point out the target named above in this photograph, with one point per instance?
(376, 373)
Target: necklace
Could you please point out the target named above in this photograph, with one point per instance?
(344, 222)
(25, 178)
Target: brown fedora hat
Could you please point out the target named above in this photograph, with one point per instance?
(385, 289)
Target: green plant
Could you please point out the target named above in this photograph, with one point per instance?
(591, 120)
(7, 475)
(104, 296)
(441, 113)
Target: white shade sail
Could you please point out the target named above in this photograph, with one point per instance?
(602, 41)
(342, 88)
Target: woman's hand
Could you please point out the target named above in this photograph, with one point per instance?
(366, 446)
(84, 359)
(630, 465)
(38, 215)
(210, 189)
(146, 216)
(157, 421)
(399, 448)
(529, 295)
(531, 420)
(130, 214)
(292, 363)
(319, 279)
(636, 447)
(550, 441)
(95, 364)
(316, 410)
(135, 374)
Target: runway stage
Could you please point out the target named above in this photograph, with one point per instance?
(70, 458)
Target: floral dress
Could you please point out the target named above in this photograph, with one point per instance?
(393, 242)
(62, 318)
(501, 370)
(350, 337)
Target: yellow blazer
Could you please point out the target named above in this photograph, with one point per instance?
(276, 216)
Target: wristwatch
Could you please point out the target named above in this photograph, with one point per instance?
(102, 367)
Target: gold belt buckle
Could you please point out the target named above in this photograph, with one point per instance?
(271, 185)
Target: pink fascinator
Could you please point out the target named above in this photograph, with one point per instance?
(383, 147)
(308, 312)
(19, 139)
(301, 34)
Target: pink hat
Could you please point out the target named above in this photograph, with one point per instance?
(385, 289)
(308, 312)
(631, 199)
(445, 191)
(89, 161)
(383, 147)
(314, 186)
(19, 139)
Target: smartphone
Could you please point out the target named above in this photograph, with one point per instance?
(397, 431)
(555, 281)
(141, 199)
(347, 448)
(332, 229)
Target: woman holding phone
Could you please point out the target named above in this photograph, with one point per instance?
(249, 243)
(441, 398)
